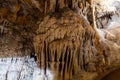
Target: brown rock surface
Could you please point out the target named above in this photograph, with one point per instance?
(60, 34)
(66, 44)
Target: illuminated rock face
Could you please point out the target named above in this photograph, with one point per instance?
(22, 68)
(107, 11)
(60, 36)
(66, 44)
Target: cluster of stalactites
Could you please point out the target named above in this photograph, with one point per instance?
(19, 10)
(80, 6)
(66, 44)
(56, 5)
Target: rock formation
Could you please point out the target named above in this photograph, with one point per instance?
(23, 68)
(67, 44)
(61, 35)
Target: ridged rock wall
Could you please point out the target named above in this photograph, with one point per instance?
(61, 34)
(66, 44)
(19, 19)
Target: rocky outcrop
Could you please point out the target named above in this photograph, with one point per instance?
(62, 37)
(66, 44)
(19, 20)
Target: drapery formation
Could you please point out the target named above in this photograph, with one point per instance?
(60, 33)
(66, 44)
(23, 11)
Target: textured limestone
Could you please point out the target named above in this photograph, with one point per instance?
(65, 43)
(17, 43)
(65, 37)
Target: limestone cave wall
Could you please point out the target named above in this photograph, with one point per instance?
(67, 44)
(60, 34)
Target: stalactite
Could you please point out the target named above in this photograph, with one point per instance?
(45, 11)
(60, 4)
(57, 67)
(69, 44)
(73, 3)
(92, 9)
(1, 29)
(64, 41)
(52, 5)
